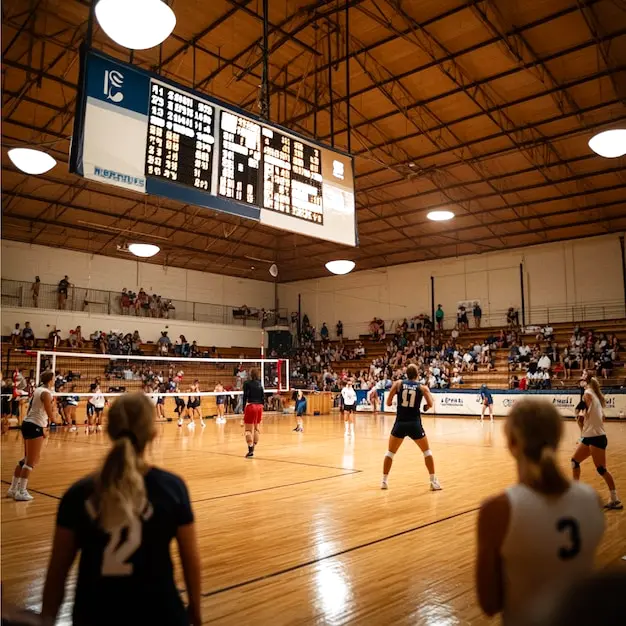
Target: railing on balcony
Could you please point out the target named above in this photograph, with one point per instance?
(19, 294)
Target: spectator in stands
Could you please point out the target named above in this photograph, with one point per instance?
(339, 330)
(136, 343)
(28, 336)
(512, 317)
(182, 346)
(324, 332)
(75, 340)
(34, 288)
(524, 353)
(140, 300)
(478, 313)
(571, 360)
(605, 364)
(547, 332)
(462, 318)
(514, 382)
(454, 335)
(125, 301)
(154, 306)
(514, 356)
(544, 362)
(16, 335)
(62, 289)
(194, 350)
(164, 343)
(439, 317)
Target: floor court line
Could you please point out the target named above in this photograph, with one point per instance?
(293, 568)
(42, 493)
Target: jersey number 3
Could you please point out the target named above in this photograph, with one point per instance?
(116, 554)
(570, 526)
(408, 398)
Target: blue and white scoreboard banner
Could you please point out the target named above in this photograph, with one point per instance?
(139, 131)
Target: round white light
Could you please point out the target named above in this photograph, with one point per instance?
(136, 24)
(340, 267)
(143, 249)
(31, 161)
(609, 144)
(440, 216)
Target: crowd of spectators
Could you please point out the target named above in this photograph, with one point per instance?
(543, 362)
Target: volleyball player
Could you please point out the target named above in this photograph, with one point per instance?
(71, 405)
(539, 536)
(594, 441)
(220, 401)
(348, 395)
(95, 408)
(409, 423)
(486, 400)
(122, 520)
(193, 405)
(40, 413)
(300, 409)
(372, 397)
(253, 398)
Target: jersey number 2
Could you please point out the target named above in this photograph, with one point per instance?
(116, 554)
(571, 527)
(408, 398)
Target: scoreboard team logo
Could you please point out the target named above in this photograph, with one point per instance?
(113, 81)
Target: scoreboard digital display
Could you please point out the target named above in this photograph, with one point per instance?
(139, 131)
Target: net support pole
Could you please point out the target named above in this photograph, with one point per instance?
(37, 368)
(279, 367)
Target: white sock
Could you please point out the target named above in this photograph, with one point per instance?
(14, 483)
(385, 476)
(433, 477)
(21, 485)
(352, 427)
(614, 497)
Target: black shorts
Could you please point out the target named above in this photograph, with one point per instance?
(349, 408)
(193, 404)
(30, 430)
(581, 406)
(599, 441)
(414, 430)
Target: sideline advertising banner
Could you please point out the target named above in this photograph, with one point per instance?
(462, 402)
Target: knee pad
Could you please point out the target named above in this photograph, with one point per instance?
(427, 453)
(575, 464)
(601, 470)
(390, 454)
(21, 463)
(27, 467)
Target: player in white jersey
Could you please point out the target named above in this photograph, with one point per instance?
(539, 536)
(593, 441)
(40, 412)
(95, 407)
(348, 395)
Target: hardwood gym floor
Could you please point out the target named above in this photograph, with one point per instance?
(302, 533)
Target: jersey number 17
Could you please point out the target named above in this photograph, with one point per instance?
(408, 398)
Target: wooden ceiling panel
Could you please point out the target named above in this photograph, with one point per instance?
(497, 131)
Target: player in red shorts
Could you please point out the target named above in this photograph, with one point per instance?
(253, 398)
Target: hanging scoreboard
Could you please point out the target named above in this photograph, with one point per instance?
(138, 131)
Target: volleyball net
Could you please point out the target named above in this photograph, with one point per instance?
(166, 380)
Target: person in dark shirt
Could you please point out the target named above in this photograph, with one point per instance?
(253, 398)
(122, 520)
(62, 289)
(408, 423)
(28, 336)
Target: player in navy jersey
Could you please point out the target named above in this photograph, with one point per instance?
(486, 399)
(409, 423)
(122, 520)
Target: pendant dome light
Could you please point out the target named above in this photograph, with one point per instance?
(440, 216)
(136, 24)
(31, 161)
(609, 144)
(340, 266)
(144, 250)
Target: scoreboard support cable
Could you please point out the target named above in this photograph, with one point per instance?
(139, 131)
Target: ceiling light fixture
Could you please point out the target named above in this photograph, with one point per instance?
(440, 216)
(31, 161)
(138, 25)
(144, 250)
(609, 144)
(340, 267)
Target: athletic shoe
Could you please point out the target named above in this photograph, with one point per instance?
(98, 428)
(180, 422)
(202, 424)
(615, 505)
(11, 492)
(249, 455)
(23, 496)
(434, 485)
(73, 429)
(191, 425)
(384, 485)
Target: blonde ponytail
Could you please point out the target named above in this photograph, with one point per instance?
(120, 488)
(536, 427)
(595, 387)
